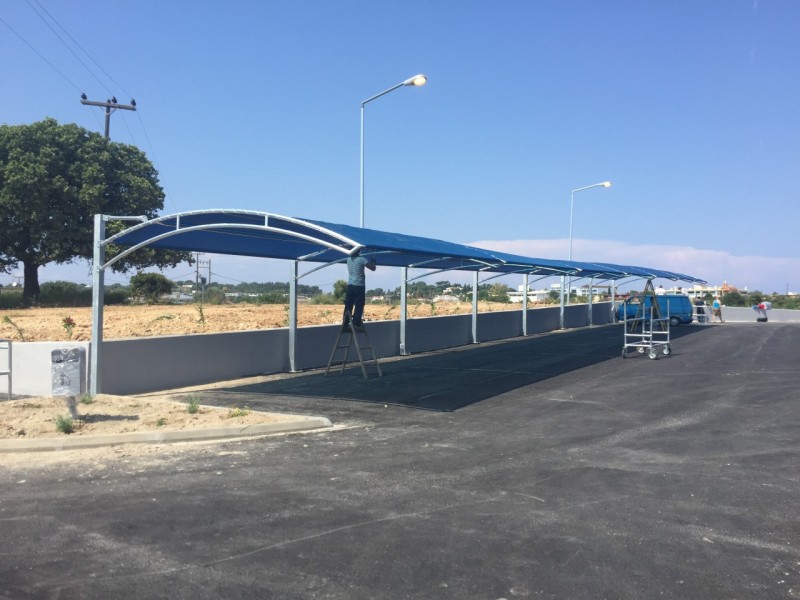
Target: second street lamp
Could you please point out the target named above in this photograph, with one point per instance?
(605, 184)
(415, 81)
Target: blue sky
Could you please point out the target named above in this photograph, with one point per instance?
(691, 109)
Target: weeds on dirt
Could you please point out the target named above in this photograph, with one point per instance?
(65, 424)
(9, 321)
(194, 406)
(238, 412)
(202, 317)
(161, 422)
(87, 399)
(166, 317)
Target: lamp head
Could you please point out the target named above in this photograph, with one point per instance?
(416, 80)
(606, 184)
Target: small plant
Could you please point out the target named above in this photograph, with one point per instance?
(286, 315)
(201, 315)
(238, 412)
(65, 424)
(68, 323)
(9, 321)
(161, 422)
(87, 399)
(194, 406)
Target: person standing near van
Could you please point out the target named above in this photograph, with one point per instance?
(716, 309)
(700, 310)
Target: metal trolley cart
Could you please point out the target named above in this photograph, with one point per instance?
(646, 334)
(646, 331)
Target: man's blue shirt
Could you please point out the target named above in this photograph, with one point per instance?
(355, 270)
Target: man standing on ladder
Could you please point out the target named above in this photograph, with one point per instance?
(356, 289)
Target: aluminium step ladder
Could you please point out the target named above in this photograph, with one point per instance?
(643, 310)
(362, 346)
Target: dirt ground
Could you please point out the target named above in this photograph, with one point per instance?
(47, 324)
(105, 414)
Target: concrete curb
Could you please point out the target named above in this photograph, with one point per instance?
(164, 437)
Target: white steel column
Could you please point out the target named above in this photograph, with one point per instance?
(613, 301)
(293, 316)
(403, 310)
(525, 304)
(475, 308)
(98, 298)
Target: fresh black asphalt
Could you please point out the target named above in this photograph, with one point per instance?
(547, 467)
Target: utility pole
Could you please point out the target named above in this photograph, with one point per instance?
(110, 106)
(201, 282)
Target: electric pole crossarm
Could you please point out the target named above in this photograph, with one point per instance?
(109, 105)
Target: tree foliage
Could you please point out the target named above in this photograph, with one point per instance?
(149, 287)
(53, 180)
(340, 290)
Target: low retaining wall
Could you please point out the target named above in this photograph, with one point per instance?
(736, 314)
(140, 365)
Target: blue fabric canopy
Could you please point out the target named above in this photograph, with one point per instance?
(267, 235)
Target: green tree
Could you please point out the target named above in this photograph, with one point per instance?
(340, 290)
(150, 286)
(733, 299)
(53, 180)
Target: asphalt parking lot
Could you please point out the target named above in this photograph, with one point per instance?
(547, 467)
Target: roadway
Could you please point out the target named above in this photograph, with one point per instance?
(547, 467)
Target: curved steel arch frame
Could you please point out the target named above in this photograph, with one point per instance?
(269, 235)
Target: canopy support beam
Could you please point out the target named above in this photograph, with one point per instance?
(293, 316)
(98, 300)
(475, 308)
(403, 310)
(525, 304)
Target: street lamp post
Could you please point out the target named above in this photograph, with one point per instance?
(416, 81)
(605, 184)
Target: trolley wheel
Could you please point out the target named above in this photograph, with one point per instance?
(667, 350)
(624, 353)
(653, 353)
(640, 349)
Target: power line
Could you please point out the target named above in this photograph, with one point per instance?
(40, 11)
(82, 49)
(39, 54)
(99, 66)
(60, 39)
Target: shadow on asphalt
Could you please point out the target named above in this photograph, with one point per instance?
(448, 380)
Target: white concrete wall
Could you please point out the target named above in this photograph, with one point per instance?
(31, 368)
(748, 315)
(139, 365)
